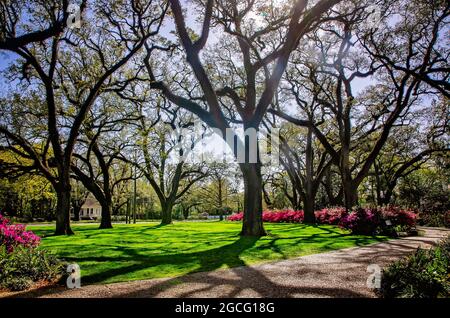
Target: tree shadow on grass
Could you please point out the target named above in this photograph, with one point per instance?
(207, 260)
(88, 231)
(203, 279)
(155, 227)
(130, 260)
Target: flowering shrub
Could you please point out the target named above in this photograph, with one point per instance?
(398, 216)
(236, 217)
(363, 221)
(22, 265)
(13, 235)
(285, 216)
(330, 216)
(373, 221)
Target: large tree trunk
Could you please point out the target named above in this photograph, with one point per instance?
(166, 213)
(308, 210)
(106, 214)
(350, 195)
(63, 212)
(252, 224)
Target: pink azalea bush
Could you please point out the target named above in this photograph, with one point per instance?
(371, 221)
(363, 221)
(12, 235)
(330, 216)
(399, 216)
(284, 216)
(236, 217)
(22, 265)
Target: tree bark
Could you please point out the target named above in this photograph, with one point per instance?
(328, 184)
(350, 195)
(252, 223)
(308, 210)
(106, 214)
(63, 212)
(166, 213)
(76, 212)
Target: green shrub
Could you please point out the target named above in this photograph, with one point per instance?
(16, 283)
(24, 266)
(425, 274)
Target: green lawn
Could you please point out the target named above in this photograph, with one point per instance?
(142, 251)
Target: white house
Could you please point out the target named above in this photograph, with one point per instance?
(91, 209)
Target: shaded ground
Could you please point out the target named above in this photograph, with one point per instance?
(341, 273)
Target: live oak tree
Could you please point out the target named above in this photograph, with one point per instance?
(189, 202)
(302, 156)
(103, 139)
(331, 192)
(69, 70)
(305, 162)
(278, 191)
(409, 148)
(323, 80)
(162, 153)
(370, 99)
(346, 54)
(245, 86)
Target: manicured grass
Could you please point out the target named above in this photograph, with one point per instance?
(143, 251)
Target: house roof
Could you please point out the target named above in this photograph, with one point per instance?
(91, 202)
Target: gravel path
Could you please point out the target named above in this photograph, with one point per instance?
(341, 273)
